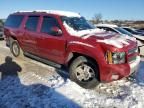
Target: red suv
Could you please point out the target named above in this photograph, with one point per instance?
(60, 37)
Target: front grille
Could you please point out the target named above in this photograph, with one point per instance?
(131, 51)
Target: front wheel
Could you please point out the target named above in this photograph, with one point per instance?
(84, 72)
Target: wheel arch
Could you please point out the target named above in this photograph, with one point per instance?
(73, 55)
(14, 38)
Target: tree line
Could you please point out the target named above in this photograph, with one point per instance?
(97, 18)
(1, 22)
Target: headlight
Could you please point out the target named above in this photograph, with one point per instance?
(116, 57)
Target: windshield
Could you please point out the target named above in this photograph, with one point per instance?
(77, 23)
(123, 31)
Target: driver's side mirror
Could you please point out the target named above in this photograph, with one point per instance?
(56, 31)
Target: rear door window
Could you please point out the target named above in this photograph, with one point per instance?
(32, 23)
(14, 21)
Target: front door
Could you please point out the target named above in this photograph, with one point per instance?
(51, 46)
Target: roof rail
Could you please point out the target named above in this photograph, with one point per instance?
(57, 12)
(29, 11)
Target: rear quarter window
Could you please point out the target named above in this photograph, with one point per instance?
(14, 21)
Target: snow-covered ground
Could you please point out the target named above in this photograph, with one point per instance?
(35, 85)
(34, 90)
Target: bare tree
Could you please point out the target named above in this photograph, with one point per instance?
(97, 18)
(117, 22)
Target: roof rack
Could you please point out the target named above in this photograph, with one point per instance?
(57, 12)
(29, 11)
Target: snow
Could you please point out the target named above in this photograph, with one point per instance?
(37, 88)
(130, 38)
(117, 41)
(140, 43)
(133, 65)
(106, 25)
(139, 37)
(57, 12)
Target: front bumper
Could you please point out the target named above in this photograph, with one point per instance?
(134, 65)
(112, 72)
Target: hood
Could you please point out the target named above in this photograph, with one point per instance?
(118, 41)
(101, 36)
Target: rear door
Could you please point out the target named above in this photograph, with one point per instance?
(50, 46)
(29, 39)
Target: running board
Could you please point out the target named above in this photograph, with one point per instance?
(42, 60)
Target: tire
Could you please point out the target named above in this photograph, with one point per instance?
(79, 72)
(15, 48)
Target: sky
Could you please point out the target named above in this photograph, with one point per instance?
(109, 9)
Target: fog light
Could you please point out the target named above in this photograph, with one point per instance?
(114, 77)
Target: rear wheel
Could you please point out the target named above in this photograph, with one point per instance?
(84, 72)
(15, 48)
